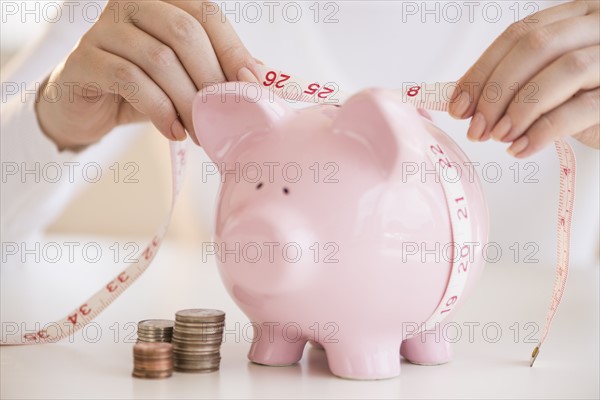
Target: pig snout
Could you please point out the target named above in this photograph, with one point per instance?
(266, 248)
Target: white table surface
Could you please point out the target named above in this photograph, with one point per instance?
(568, 366)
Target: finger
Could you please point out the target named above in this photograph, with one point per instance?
(590, 137)
(116, 75)
(532, 54)
(593, 5)
(564, 78)
(233, 55)
(158, 61)
(471, 85)
(559, 122)
(184, 34)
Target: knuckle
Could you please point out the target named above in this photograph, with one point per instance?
(516, 31)
(477, 76)
(231, 52)
(546, 123)
(184, 27)
(162, 108)
(124, 72)
(162, 55)
(577, 62)
(591, 100)
(538, 40)
(212, 79)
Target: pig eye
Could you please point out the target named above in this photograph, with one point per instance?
(259, 185)
(286, 190)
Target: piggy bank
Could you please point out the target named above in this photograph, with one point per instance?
(333, 226)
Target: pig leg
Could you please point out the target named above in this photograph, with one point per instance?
(275, 349)
(427, 348)
(368, 359)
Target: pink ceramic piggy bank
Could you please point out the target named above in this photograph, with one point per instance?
(332, 227)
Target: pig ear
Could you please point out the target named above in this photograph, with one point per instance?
(380, 120)
(226, 113)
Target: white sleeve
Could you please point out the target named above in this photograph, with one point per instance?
(31, 195)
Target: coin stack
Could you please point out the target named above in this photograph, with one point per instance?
(197, 338)
(152, 360)
(155, 330)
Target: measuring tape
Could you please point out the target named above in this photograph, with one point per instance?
(87, 311)
(566, 200)
(434, 97)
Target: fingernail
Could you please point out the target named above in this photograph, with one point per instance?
(485, 137)
(476, 127)
(460, 106)
(518, 146)
(245, 75)
(177, 130)
(502, 128)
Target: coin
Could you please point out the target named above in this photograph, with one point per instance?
(152, 375)
(152, 360)
(155, 330)
(197, 337)
(200, 314)
(151, 324)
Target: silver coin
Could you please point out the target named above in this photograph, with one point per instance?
(196, 364)
(154, 340)
(196, 345)
(154, 335)
(206, 352)
(180, 360)
(200, 314)
(157, 336)
(197, 349)
(199, 346)
(212, 336)
(199, 371)
(195, 367)
(196, 333)
(153, 324)
(195, 354)
(198, 329)
(199, 324)
(199, 337)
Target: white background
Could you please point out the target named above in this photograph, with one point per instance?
(369, 46)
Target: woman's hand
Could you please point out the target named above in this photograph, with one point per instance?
(538, 81)
(142, 60)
